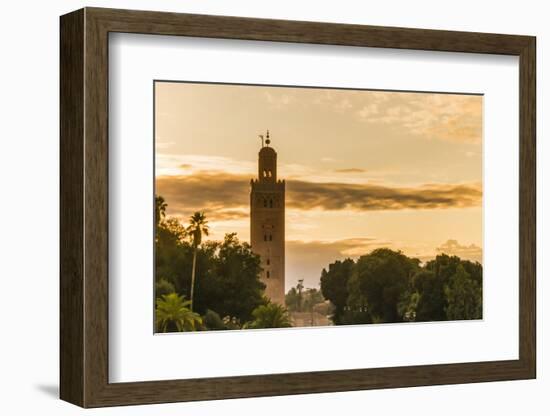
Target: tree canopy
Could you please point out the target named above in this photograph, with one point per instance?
(379, 287)
(173, 314)
(227, 272)
(387, 286)
(334, 286)
(270, 315)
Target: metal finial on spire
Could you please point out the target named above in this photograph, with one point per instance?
(267, 136)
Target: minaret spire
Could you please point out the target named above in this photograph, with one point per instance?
(267, 221)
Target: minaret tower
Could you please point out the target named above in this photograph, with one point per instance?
(267, 222)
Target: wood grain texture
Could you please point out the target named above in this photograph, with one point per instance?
(84, 207)
(96, 219)
(527, 208)
(71, 218)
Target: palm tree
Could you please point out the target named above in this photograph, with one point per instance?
(197, 227)
(271, 315)
(160, 214)
(173, 313)
(300, 286)
(160, 209)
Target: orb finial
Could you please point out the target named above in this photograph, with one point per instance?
(268, 140)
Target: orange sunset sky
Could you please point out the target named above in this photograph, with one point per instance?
(364, 169)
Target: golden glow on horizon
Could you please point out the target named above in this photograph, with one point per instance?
(364, 169)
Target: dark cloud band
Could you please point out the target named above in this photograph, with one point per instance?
(229, 195)
(337, 196)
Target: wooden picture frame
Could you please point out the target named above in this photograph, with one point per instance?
(84, 207)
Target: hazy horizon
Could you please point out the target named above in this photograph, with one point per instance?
(364, 169)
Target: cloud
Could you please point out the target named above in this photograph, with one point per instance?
(179, 164)
(338, 196)
(343, 105)
(279, 98)
(350, 170)
(221, 195)
(454, 248)
(306, 259)
(449, 117)
(368, 112)
(433, 116)
(219, 192)
(347, 247)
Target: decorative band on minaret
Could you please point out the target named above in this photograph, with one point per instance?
(267, 221)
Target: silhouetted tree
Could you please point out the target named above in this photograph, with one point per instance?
(334, 286)
(160, 209)
(229, 282)
(432, 302)
(197, 227)
(463, 296)
(233, 287)
(306, 301)
(173, 256)
(383, 278)
(292, 300)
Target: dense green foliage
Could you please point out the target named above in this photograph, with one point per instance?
(463, 296)
(173, 315)
(382, 278)
(271, 315)
(227, 273)
(431, 305)
(215, 285)
(164, 287)
(334, 286)
(387, 286)
(196, 229)
(213, 321)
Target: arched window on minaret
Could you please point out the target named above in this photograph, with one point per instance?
(267, 274)
(270, 202)
(265, 203)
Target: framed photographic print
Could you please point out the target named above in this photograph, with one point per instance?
(244, 199)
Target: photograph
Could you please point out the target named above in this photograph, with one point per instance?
(273, 204)
(296, 206)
